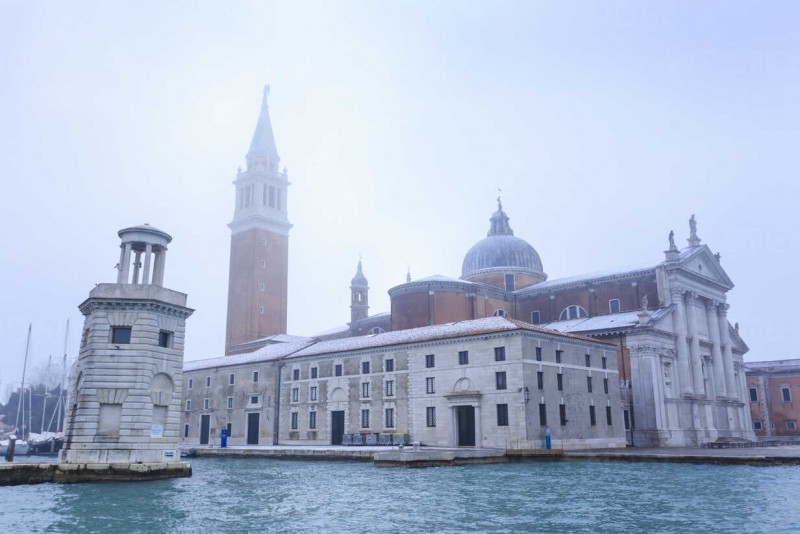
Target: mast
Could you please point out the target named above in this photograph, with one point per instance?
(20, 408)
(61, 392)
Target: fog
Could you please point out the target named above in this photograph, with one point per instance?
(606, 125)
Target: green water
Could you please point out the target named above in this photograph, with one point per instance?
(249, 495)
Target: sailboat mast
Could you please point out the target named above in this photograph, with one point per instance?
(20, 408)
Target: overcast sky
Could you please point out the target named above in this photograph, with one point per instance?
(605, 124)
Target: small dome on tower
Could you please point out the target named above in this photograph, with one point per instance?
(502, 252)
(359, 279)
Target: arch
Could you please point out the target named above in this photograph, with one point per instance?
(338, 395)
(500, 313)
(161, 389)
(376, 330)
(463, 384)
(573, 312)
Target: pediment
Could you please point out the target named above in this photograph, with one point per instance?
(701, 263)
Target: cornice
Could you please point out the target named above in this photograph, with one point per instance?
(92, 305)
(555, 286)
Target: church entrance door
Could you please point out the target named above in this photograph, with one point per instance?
(253, 427)
(465, 425)
(205, 425)
(337, 427)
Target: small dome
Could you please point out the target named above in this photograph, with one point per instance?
(501, 251)
(359, 280)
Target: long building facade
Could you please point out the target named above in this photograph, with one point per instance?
(773, 390)
(491, 382)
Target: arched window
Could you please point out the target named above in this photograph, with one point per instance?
(375, 330)
(500, 313)
(573, 312)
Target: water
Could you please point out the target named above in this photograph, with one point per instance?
(250, 495)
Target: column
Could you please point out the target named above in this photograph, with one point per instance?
(125, 264)
(137, 263)
(121, 263)
(148, 251)
(716, 350)
(747, 417)
(158, 269)
(679, 321)
(694, 346)
(727, 354)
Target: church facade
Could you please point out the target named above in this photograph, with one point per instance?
(681, 380)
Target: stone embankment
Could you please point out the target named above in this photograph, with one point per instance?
(14, 474)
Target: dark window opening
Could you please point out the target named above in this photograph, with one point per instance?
(502, 415)
(121, 335)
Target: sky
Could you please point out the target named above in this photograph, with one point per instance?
(604, 124)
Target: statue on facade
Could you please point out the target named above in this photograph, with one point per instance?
(672, 240)
(644, 303)
(499, 204)
(693, 239)
(718, 256)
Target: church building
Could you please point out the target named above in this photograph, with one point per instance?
(681, 380)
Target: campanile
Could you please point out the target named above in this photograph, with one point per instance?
(258, 276)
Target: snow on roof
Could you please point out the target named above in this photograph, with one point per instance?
(441, 278)
(335, 330)
(777, 366)
(267, 353)
(581, 278)
(606, 322)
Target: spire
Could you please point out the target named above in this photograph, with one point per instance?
(499, 222)
(263, 143)
(359, 279)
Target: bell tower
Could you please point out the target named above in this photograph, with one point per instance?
(258, 276)
(359, 295)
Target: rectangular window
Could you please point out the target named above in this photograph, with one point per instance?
(757, 425)
(543, 414)
(312, 420)
(208, 381)
(190, 383)
(502, 415)
(430, 385)
(165, 339)
(231, 379)
(535, 317)
(430, 361)
(185, 431)
(605, 386)
(229, 428)
(592, 418)
(791, 425)
(540, 379)
(604, 362)
(312, 393)
(255, 376)
(390, 388)
(337, 369)
(188, 404)
(499, 354)
(626, 416)
(365, 368)
(121, 335)
(786, 394)
(230, 402)
(558, 356)
(560, 381)
(510, 286)
(389, 417)
(500, 380)
(463, 357)
(589, 384)
(538, 354)
(206, 404)
(588, 360)
(389, 364)
(753, 394)
(295, 374)
(364, 418)
(314, 372)
(295, 394)
(364, 390)
(295, 420)
(430, 416)
(613, 306)
(608, 415)
(562, 414)
(254, 399)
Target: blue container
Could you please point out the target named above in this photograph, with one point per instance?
(223, 438)
(547, 444)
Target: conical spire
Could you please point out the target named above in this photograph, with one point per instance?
(263, 143)
(359, 280)
(499, 222)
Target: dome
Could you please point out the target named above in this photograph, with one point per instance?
(501, 251)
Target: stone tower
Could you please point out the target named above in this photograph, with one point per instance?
(359, 296)
(258, 276)
(125, 388)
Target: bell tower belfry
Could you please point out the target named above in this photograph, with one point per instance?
(259, 264)
(359, 295)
